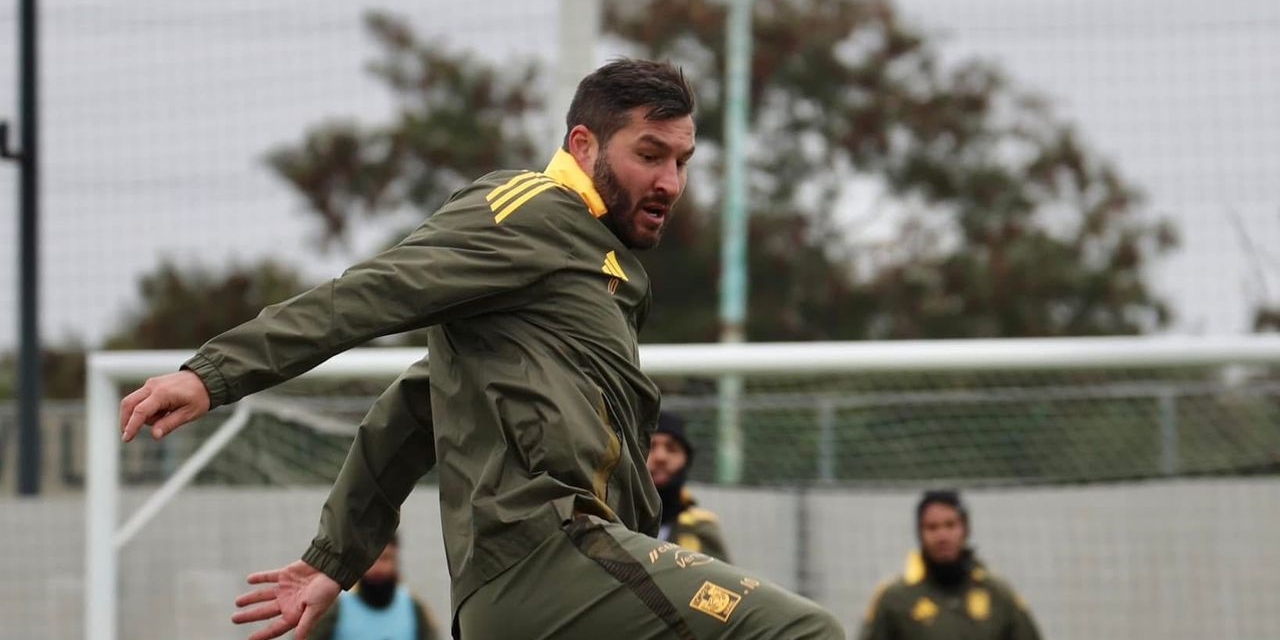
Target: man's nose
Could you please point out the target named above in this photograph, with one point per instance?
(668, 179)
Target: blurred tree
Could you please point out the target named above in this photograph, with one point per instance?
(987, 216)
(184, 308)
(458, 118)
(181, 309)
(61, 371)
(1266, 318)
(1262, 271)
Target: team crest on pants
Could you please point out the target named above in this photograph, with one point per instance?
(715, 601)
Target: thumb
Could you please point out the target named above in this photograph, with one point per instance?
(171, 421)
(308, 620)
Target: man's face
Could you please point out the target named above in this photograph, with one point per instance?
(386, 568)
(942, 533)
(667, 458)
(640, 173)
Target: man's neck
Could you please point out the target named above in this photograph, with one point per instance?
(564, 169)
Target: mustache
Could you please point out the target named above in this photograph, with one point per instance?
(665, 200)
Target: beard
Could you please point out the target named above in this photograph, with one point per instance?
(378, 593)
(670, 494)
(621, 213)
(616, 199)
(620, 209)
(949, 574)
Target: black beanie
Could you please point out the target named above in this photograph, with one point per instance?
(949, 497)
(673, 425)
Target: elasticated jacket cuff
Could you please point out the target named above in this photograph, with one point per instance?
(331, 564)
(214, 383)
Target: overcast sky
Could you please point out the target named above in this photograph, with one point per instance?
(157, 115)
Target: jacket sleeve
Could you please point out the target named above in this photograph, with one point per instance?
(876, 624)
(393, 449)
(457, 264)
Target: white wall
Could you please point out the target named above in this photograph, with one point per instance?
(1182, 560)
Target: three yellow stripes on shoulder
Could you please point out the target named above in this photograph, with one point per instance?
(612, 267)
(506, 199)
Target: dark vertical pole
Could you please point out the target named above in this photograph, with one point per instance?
(28, 259)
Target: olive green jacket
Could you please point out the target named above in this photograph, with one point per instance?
(533, 403)
(912, 607)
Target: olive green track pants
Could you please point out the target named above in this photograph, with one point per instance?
(596, 580)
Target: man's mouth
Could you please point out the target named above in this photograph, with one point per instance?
(655, 211)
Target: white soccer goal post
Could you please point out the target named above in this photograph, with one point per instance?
(789, 365)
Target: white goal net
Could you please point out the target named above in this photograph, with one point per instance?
(1127, 486)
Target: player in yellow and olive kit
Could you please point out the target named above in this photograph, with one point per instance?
(683, 521)
(532, 406)
(945, 593)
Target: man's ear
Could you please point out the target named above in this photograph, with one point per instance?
(584, 148)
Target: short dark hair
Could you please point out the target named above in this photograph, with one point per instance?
(949, 497)
(603, 98)
(673, 425)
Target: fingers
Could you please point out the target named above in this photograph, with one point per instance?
(166, 402)
(142, 414)
(128, 402)
(261, 612)
(262, 577)
(254, 597)
(267, 611)
(277, 629)
(130, 419)
(169, 422)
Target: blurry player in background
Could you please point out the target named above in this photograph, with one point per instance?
(683, 521)
(380, 607)
(533, 402)
(945, 592)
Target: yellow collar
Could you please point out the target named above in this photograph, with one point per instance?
(686, 497)
(565, 171)
(915, 570)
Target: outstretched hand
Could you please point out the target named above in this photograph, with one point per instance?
(165, 402)
(296, 594)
